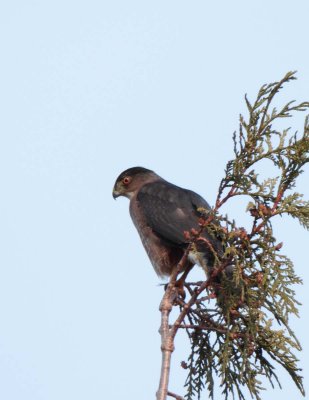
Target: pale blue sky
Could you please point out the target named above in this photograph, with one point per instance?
(88, 89)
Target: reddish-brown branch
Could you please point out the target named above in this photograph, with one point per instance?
(278, 199)
(230, 194)
(195, 295)
(176, 396)
(203, 328)
(210, 246)
(257, 228)
(187, 307)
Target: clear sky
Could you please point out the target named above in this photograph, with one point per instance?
(88, 89)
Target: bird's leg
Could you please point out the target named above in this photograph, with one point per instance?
(179, 284)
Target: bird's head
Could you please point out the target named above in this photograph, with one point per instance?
(131, 180)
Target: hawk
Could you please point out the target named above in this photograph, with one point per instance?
(162, 212)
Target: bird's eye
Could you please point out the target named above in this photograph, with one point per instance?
(126, 180)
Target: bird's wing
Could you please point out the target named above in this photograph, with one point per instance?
(170, 210)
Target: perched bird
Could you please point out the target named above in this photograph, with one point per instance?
(162, 213)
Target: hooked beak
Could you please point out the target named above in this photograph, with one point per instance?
(116, 194)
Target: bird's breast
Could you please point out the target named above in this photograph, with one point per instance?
(163, 257)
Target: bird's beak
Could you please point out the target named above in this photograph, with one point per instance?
(116, 194)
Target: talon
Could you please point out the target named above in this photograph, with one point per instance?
(179, 285)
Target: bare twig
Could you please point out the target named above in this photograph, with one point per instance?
(203, 327)
(167, 340)
(176, 396)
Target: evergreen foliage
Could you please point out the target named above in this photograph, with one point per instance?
(244, 333)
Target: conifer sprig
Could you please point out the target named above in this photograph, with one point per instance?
(244, 333)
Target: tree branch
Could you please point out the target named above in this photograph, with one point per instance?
(167, 340)
(229, 326)
(176, 396)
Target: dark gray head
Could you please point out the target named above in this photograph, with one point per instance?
(131, 180)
